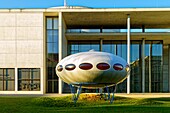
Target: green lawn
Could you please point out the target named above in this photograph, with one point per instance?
(86, 104)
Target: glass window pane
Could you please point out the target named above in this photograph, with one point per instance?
(11, 74)
(7, 78)
(50, 48)
(95, 47)
(156, 49)
(122, 51)
(107, 48)
(29, 79)
(156, 67)
(134, 52)
(55, 36)
(49, 35)
(55, 22)
(136, 62)
(84, 47)
(55, 48)
(49, 23)
(1, 85)
(9, 85)
(36, 74)
(1, 74)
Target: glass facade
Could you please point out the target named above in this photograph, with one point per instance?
(153, 61)
(136, 66)
(82, 46)
(52, 54)
(153, 66)
(7, 79)
(29, 79)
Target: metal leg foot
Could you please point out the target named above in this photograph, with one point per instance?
(75, 96)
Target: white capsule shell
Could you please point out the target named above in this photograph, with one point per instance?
(69, 71)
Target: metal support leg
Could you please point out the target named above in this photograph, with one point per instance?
(113, 90)
(108, 96)
(78, 92)
(75, 96)
(72, 88)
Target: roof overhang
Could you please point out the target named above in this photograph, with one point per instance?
(117, 18)
(119, 36)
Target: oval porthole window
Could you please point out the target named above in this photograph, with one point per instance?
(60, 68)
(118, 67)
(103, 66)
(70, 67)
(85, 66)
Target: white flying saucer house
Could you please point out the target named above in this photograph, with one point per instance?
(92, 70)
(33, 41)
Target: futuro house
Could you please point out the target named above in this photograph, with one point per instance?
(93, 69)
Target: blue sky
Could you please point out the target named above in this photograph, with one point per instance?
(87, 3)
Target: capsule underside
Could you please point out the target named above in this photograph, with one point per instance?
(93, 77)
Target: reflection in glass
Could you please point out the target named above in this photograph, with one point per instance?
(7, 79)
(156, 67)
(49, 35)
(118, 67)
(60, 68)
(49, 23)
(153, 66)
(29, 79)
(136, 67)
(82, 46)
(70, 67)
(55, 23)
(52, 54)
(153, 61)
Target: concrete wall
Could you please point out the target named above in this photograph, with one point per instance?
(21, 40)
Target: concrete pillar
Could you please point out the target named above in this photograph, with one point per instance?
(143, 65)
(62, 45)
(60, 49)
(128, 51)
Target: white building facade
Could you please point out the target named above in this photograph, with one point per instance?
(33, 41)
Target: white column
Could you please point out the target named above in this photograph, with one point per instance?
(143, 65)
(60, 49)
(62, 45)
(16, 79)
(128, 51)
